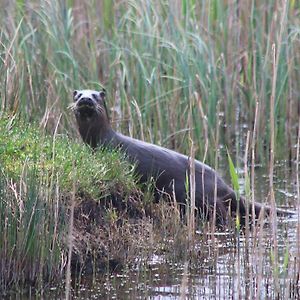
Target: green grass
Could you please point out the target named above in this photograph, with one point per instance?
(37, 177)
(23, 148)
(172, 72)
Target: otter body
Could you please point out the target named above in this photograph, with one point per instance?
(169, 168)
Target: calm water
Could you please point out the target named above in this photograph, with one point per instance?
(231, 268)
(228, 273)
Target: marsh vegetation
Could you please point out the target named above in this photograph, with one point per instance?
(203, 77)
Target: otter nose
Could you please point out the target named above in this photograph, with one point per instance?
(86, 101)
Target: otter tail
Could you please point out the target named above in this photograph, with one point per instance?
(260, 208)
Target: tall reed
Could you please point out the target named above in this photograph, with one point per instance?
(32, 230)
(155, 55)
(154, 58)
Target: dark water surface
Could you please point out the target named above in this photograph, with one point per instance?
(231, 272)
(229, 266)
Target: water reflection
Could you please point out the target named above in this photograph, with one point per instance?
(230, 272)
(234, 268)
(222, 266)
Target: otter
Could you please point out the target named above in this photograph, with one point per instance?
(169, 168)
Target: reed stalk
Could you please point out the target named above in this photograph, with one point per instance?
(70, 242)
(253, 143)
(297, 271)
(192, 182)
(213, 225)
(271, 174)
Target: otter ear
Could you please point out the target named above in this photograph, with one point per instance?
(102, 94)
(75, 93)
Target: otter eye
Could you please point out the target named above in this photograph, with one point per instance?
(95, 96)
(102, 94)
(76, 95)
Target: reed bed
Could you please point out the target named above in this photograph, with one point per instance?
(152, 56)
(194, 76)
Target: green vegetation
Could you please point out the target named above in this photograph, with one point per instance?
(212, 72)
(57, 160)
(38, 175)
(156, 60)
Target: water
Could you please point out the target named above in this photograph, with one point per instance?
(230, 272)
(228, 267)
(222, 266)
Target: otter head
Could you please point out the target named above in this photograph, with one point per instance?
(91, 115)
(89, 104)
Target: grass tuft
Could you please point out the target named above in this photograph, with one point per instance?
(37, 176)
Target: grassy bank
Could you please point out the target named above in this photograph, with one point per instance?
(40, 177)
